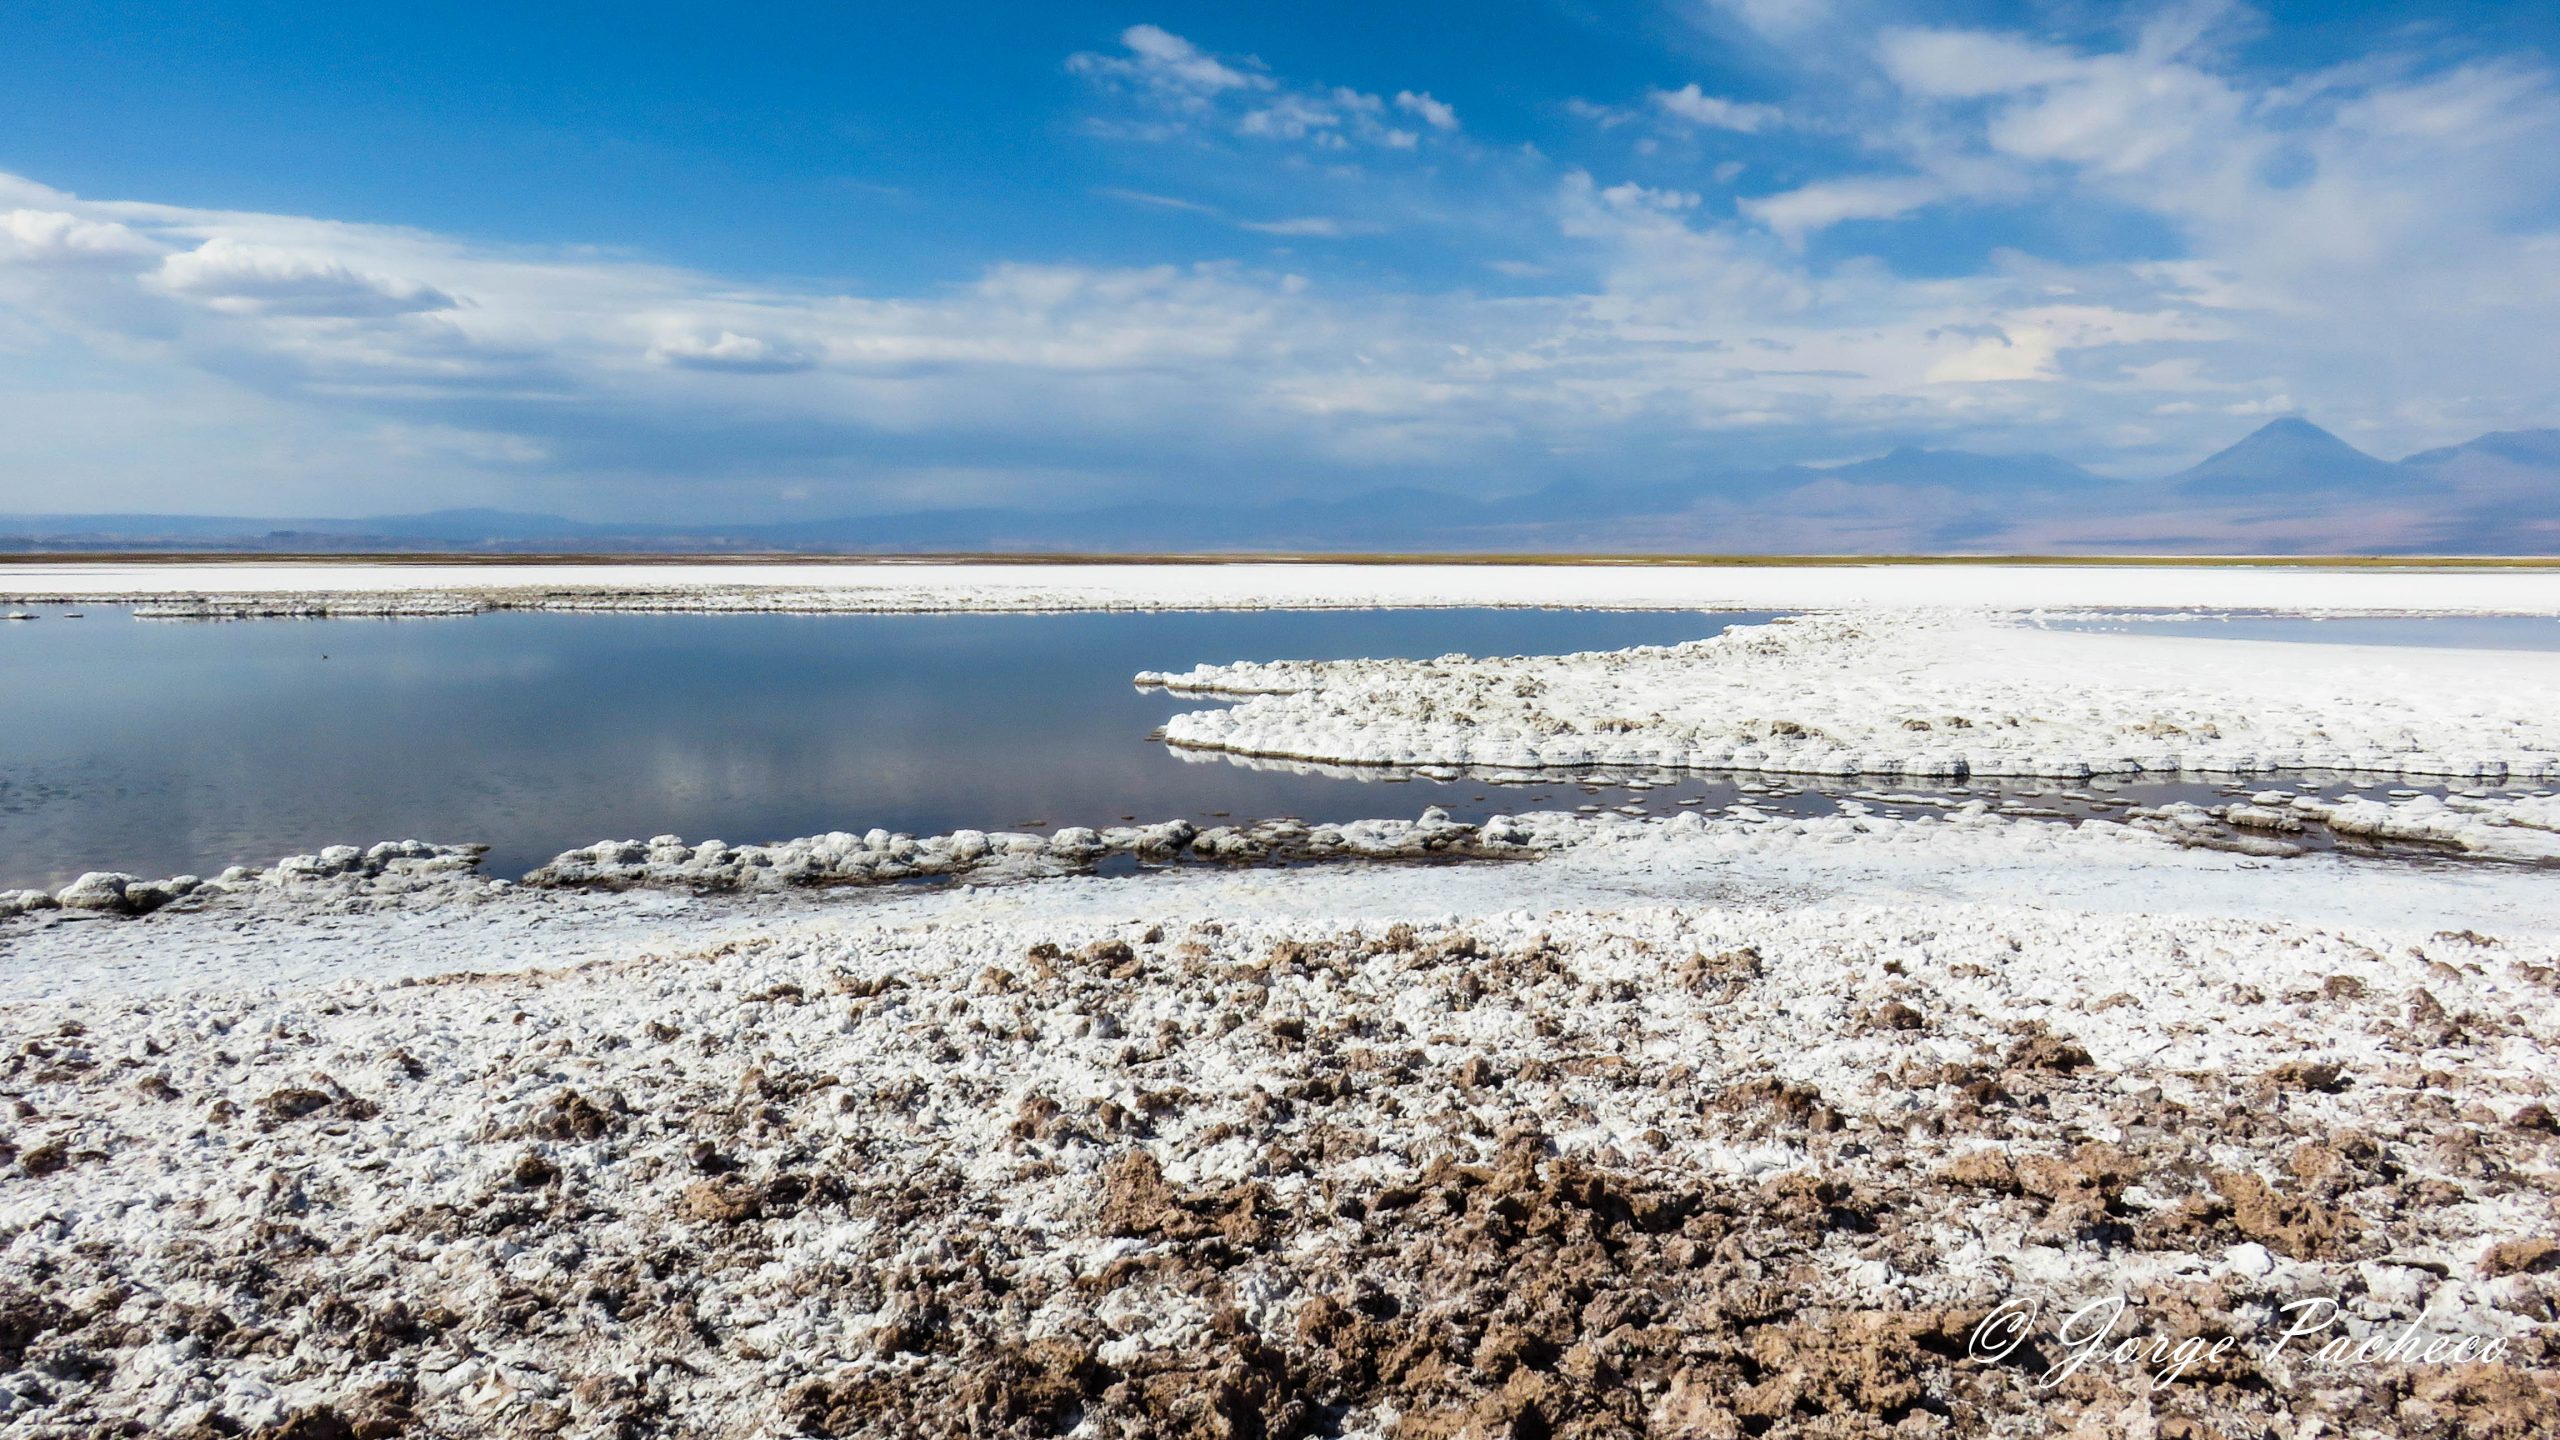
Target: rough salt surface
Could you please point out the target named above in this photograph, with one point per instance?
(902, 1176)
(1916, 694)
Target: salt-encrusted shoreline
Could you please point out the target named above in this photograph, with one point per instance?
(1912, 693)
(393, 869)
(320, 589)
(414, 873)
(2508, 827)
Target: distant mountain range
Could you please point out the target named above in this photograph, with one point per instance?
(2289, 487)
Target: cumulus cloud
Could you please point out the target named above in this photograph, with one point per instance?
(1436, 114)
(2024, 354)
(40, 237)
(243, 278)
(1699, 108)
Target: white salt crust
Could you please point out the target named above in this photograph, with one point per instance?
(364, 1127)
(1916, 693)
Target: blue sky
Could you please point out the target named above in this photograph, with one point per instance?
(663, 262)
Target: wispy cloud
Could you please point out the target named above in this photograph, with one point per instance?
(1309, 226)
(1171, 69)
(1153, 200)
(1313, 226)
(1178, 88)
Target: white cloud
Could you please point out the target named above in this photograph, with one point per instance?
(729, 350)
(1190, 90)
(1607, 117)
(1799, 212)
(1310, 226)
(1292, 117)
(1159, 202)
(2033, 338)
(1173, 69)
(1434, 113)
(1696, 106)
(2381, 209)
(1967, 64)
(242, 278)
(2277, 404)
(1314, 226)
(1779, 20)
(1172, 55)
(1333, 120)
(52, 237)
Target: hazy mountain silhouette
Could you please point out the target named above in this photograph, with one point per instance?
(2517, 447)
(1963, 470)
(2288, 487)
(2295, 459)
(2507, 484)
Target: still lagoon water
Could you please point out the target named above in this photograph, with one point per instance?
(165, 748)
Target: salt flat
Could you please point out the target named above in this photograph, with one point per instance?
(1590, 1125)
(927, 586)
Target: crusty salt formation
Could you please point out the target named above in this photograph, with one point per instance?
(1664, 1171)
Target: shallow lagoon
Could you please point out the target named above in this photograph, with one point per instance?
(163, 748)
(166, 748)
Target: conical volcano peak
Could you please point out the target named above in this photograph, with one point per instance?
(2292, 456)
